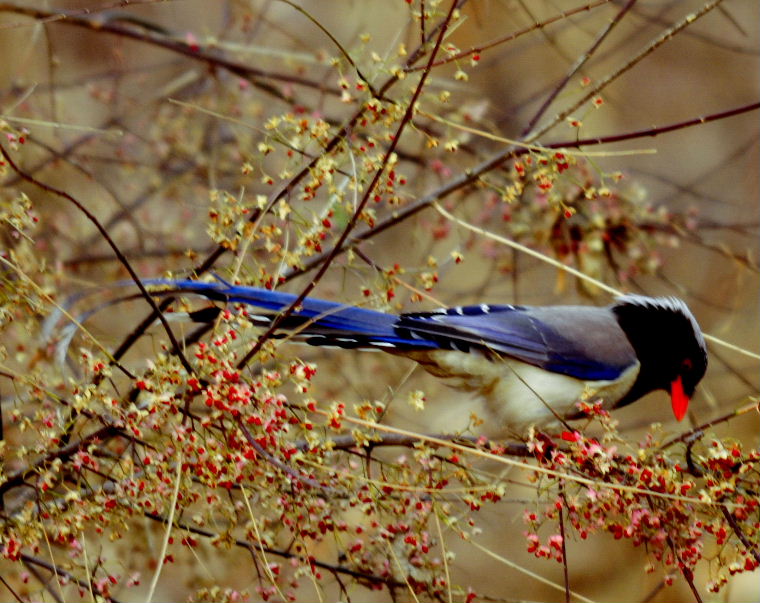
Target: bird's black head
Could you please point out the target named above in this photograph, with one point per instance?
(669, 345)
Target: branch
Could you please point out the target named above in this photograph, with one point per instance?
(577, 66)
(122, 258)
(338, 247)
(149, 33)
(58, 571)
(514, 35)
(348, 442)
(751, 547)
(279, 553)
(471, 176)
(667, 35)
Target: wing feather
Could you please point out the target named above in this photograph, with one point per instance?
(579, 341)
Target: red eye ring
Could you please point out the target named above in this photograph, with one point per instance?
(687, 364)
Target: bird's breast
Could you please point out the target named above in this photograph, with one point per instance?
(518, 394)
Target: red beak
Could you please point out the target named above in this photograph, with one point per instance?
(678, 398)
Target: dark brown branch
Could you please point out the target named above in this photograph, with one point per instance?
(19, 477)
(514, 35)
(353, 220)
(58, 571)
(10, 589)
(686, 572)
(143, 32)
(122, 258)
(610, 25)
(45, 583)
(471, 176)
(348, 442)
(295, 475)
(279, 553)
(751, 548)
(700, 429)
(652, 132)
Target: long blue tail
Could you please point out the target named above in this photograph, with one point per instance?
(325, 322)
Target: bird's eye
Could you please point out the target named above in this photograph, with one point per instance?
(687, 364)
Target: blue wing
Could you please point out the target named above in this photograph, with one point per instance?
(578, 341)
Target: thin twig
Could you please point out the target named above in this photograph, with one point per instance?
(56, 569)
(354, 219)
(473, 175)
(514, 35)
(752, 549)
(565, 572)
(10, 589)
(582, 60)
(122, 258)
(667, 35)
(699, 429)
(335, 41)
(168, 531)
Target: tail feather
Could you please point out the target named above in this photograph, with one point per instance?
(317, 321)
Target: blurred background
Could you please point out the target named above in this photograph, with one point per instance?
(153, 115)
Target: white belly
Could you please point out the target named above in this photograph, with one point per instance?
(518, 394)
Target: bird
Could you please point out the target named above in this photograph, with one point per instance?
(531, 365)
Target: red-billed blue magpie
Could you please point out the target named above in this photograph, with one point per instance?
(531, 364)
